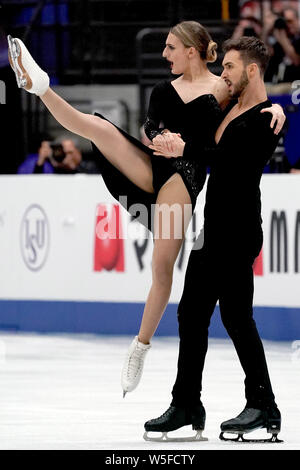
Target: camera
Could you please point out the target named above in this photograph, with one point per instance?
(280, 23)
(249, 32)
(58, 153)
(251, 26)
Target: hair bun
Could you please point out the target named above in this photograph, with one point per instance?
(211, 53)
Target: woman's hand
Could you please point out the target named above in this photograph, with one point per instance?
(164, 141)
(168, 145)
(277, 115)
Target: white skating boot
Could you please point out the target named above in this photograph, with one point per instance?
(28, 74)
(133, 365)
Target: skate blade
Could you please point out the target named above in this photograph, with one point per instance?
(165, 438)
(240, 438)
(14, 56)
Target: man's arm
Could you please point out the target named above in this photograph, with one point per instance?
(260, 141)
(195, 150)
(192, 150)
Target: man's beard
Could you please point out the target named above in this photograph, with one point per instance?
(240, 86)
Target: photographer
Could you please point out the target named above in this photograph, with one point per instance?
(284, 40)
(59, 157)
(250, 21)
(66, 157)
(248, 26)
(38, 160)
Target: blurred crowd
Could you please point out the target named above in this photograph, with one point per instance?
(60, 156)
(276, 22)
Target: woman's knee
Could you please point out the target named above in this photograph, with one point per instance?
(100, 128)
(162, 271)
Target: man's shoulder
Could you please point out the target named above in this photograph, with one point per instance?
(256, 113)
(260, 124)
(264, 104)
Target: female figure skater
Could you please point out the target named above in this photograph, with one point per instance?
(189, 106)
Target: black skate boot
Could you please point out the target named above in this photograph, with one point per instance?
(175, 418)
(249, 420)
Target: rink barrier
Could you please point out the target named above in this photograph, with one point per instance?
(59, 274)
(108, 318)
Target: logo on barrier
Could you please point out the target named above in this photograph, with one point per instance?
(35, 237)
(109, 243)
(258, 265)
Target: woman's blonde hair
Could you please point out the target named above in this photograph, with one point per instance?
(193, 34)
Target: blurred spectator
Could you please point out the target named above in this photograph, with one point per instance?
(284, 41)
(62, 156)
(67, 158)
(250, 20)
(38, 161)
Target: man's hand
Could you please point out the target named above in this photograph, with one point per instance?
(277, 115)
(44, 153)
(168, 145)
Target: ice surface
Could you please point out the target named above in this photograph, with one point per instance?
(64, 392)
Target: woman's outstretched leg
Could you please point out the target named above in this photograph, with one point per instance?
(126, 157)
(172, 216)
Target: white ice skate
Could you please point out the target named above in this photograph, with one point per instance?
(28, 74)
(133, 365)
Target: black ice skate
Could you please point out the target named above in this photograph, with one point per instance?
(175, 418)
(249, 420)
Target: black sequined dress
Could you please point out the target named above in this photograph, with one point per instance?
(195, 120)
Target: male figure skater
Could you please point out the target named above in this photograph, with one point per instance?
(222, 269)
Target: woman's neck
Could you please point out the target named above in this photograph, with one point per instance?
(196, 72)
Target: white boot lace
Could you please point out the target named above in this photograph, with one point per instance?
(135, 362)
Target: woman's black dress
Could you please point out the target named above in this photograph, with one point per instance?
(195, 120)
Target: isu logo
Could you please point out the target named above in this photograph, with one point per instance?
(35, 237)
(109, 244)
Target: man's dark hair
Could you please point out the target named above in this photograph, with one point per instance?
(251, 49)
